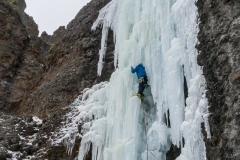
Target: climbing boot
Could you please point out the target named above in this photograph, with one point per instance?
(139, 96)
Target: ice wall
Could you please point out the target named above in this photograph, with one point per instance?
(162, 35)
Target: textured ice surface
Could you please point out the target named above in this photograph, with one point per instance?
(162, 35)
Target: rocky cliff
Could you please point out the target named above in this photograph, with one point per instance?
(22, 55)
(71, 63)
(219, 50)
(41, 76)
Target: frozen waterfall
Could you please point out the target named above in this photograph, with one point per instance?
(162, 35)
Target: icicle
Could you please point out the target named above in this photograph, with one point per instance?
(105, 19)
(162, 35)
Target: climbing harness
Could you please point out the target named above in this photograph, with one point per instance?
(141, 80)
(146, 132)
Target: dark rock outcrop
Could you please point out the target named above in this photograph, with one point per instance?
(41, 76)
(219, 50)
(71, 64)
(22, 55)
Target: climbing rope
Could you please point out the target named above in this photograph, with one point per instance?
(146, 132)
(145, 127)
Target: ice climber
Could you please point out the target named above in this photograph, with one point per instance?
(142, 78)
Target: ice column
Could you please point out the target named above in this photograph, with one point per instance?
(162, 35)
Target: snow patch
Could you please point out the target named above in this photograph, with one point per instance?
(37, 120)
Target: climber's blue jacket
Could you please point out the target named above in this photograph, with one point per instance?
(140, 69)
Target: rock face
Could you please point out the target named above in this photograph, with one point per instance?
(22, 55)
(71, 64)
(41, 76)
(219, 50)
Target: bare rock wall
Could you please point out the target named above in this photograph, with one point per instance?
(41, 76)
(219, 54)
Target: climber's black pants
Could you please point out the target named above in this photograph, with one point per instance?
(142, 83)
